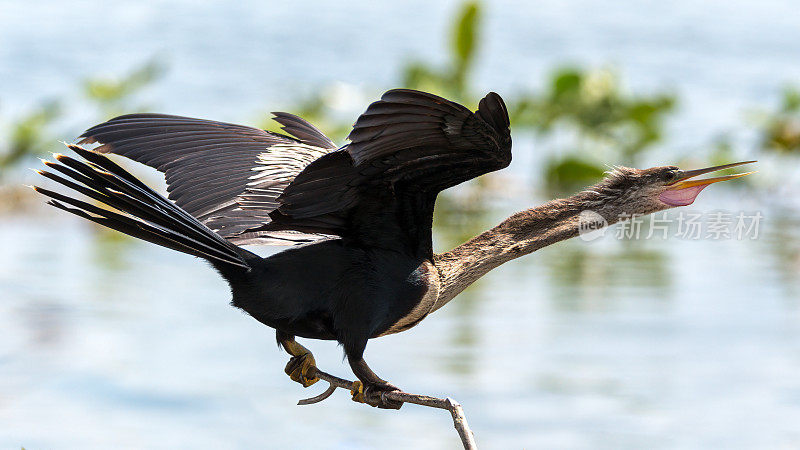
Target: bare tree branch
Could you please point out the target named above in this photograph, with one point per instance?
(459, 419)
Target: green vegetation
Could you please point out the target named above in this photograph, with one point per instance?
(603, 123)
(34, 133)
(453, 80)
(114, 96)
(30, 134)
(780, 129)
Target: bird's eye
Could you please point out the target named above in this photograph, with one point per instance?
(673, 175)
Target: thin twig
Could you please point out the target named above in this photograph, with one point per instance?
(459, 419)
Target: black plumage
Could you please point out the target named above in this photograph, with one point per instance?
(209, 165)
(365, 210)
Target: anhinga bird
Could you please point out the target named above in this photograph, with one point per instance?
(363, 212)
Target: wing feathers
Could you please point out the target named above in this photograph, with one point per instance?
(302, 130)
(210, 166)
(408, 138)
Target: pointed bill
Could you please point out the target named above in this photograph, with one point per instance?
(685, 180)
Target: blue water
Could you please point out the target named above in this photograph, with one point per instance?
(652, 343)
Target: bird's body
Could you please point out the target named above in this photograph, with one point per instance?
(334, 290)
(362, 213)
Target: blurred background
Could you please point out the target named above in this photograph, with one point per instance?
(621, 342)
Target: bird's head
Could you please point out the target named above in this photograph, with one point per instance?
(645, 191)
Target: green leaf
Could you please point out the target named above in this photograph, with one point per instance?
(30, 134)
(465, 34)
(791, 99)
(566, 82)
(571, 172)
(110, 93)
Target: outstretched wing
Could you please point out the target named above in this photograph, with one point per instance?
(410, 143)
(227, 176)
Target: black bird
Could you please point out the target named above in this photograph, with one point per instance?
(362, 213)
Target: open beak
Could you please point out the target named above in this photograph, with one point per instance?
(684, 181)
(684, 190)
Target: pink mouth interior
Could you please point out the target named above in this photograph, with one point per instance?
(681, 197)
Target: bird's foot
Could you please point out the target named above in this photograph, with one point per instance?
(302, 369)
(371, 394)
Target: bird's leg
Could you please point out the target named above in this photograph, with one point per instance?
(301, 367)
(369, 386)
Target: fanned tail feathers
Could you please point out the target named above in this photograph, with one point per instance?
(143, 213)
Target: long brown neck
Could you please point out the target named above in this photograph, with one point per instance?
(519, 235)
